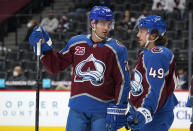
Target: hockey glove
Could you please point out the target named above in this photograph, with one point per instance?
(36, 36)
(143, 116)
(116, 117)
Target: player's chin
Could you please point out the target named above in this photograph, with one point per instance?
(103, 36)
(142, 45)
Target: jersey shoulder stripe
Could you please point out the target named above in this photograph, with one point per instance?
(79, 39)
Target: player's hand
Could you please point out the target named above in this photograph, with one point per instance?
(36, 36)
(143, 116)
(116, 117)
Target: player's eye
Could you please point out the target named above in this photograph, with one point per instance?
(106, 24)
(142, 31)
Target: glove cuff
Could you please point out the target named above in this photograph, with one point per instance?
(146, 113)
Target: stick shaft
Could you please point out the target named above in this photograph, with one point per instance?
(37, 94)
(135, 121)
(38, 82)
(132, 106)
(39, 47)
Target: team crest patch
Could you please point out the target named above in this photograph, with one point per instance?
(79, 50)
(90, 69)
(136, 84)
(157, 50)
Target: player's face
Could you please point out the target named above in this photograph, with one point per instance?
(103, 28)
(142, 33)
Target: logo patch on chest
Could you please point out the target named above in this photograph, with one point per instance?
(91, 70)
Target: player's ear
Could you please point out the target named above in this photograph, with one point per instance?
(152, 36)
(154, 33)
(92, 24)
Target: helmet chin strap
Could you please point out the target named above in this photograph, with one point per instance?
(148, 41)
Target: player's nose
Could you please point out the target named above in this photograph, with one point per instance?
(107, 27)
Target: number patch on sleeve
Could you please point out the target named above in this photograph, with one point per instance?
(156, 73)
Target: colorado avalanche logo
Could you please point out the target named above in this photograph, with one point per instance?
(136, 86)
(91, 70)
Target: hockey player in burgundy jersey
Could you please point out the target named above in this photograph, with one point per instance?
(100, 79)
(154, 81)
(190, 102)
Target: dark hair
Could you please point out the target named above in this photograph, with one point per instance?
(162, 40)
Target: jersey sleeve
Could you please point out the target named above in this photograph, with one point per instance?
(122, 86)
(56, 62)
(157, 67)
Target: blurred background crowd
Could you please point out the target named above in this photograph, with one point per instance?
(66, 18)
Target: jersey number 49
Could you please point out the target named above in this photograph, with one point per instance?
(156, 73)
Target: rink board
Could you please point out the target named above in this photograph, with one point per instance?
(17, 111)
(15, 128)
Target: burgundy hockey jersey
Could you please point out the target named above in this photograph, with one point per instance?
(100, 73)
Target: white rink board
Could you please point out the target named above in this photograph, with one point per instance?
(181, 112)
(17, 108)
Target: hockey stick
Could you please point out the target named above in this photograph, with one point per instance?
(38, 82)
(135, 121)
